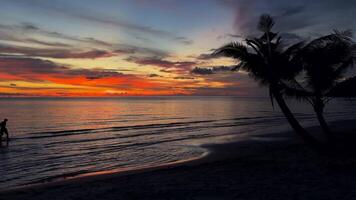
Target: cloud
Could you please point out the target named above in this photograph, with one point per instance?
(162, 63)
(223, 81)
(95, 81)
(184, 78)
(37, 69)
(202, 71)
(153, 75)
(207, 56)
(14, 94)
(52, 44)
(54, 53)
(211, 70)
(303, 17)
(23, 33)
(16, 33)
(8, 34)
(43, 72)
(65, 9)
(131, 49)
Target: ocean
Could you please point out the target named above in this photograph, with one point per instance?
(54, 138)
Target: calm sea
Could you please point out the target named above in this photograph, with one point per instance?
(54, 138)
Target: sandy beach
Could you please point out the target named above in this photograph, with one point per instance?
(273, 167)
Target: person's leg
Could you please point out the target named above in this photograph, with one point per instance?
(0, 137)
(7, 134)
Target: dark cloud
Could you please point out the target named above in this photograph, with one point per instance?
(131, 49)
(234, 35)
(184, 78)
(92, 54)
(95, 41)
(4, 94)
(231, 83)
(202, 71)
(207, 56)
(9, 35)
(45, 43)
(87, 40)
(153, 75)
(162, 63)
(167, 70)
(230, 36)
(24, 88)
(30, 68)
(28, 26)
(211, 70)
(185, 40)
(15, 33)
(302, 17)
(54, 53)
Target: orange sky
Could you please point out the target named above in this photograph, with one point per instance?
(115, 48)
(141, 47)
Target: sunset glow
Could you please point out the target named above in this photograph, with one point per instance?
(124, 48)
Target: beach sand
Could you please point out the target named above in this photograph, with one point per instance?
(271, 167)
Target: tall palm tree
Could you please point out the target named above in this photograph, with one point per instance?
(268, 63)
(324, 61)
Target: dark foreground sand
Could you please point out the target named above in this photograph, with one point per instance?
(257, 169)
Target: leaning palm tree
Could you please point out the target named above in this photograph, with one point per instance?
(324, 61)
(268, 63)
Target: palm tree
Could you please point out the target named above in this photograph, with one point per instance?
(266, 61)
(324, 61)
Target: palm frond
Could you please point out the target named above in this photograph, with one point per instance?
(346, 34)
(340, 70)
(294, 49)
(301, 95)
(256, 45)
(234, 50)
(333, 38)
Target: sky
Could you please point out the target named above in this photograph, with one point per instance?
(144, 47)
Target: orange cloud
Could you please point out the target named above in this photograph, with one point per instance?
(89, 82)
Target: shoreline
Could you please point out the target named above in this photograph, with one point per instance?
(93, 176)
(255, 149)
(214, 152)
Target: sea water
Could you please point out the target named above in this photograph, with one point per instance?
(55, 138)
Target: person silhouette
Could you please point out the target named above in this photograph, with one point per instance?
(3, 129)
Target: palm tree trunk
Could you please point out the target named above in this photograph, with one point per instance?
(309, 139)
(319, 111)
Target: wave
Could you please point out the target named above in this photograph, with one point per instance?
(186, 125)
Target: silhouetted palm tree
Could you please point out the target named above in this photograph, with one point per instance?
(266, 61)
(324, 61)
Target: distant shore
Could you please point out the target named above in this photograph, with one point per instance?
(276, 166)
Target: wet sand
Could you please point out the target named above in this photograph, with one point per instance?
(277, 166)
